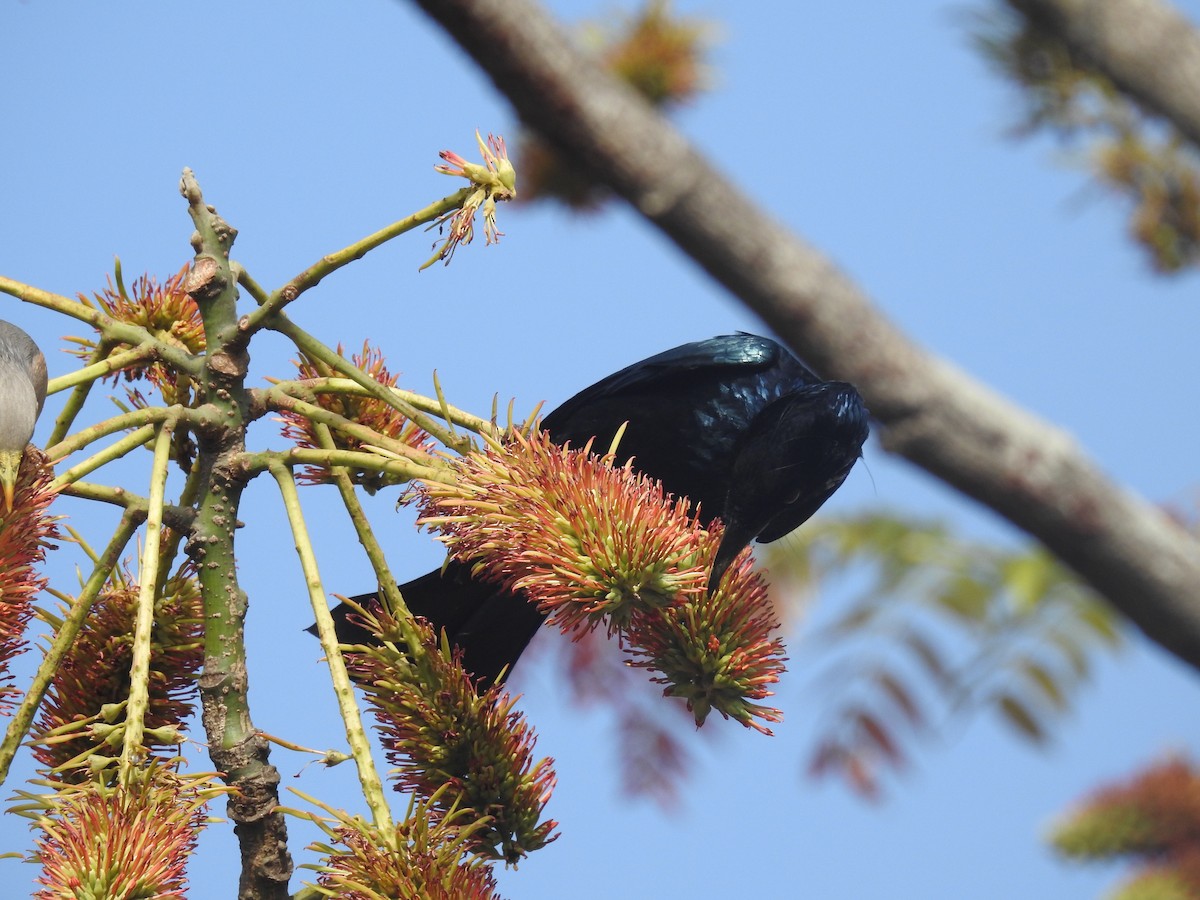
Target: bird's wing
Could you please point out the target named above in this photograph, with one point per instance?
(40, 378)
(745, 352)
(20, 349)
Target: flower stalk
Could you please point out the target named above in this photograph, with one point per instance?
(139, 673)
(343, 690)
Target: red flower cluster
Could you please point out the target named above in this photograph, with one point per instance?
(169, 313)
(367, 411)
(25, 534)
(93, 677)
(425, 856)
(129, 838)
(589, 543)
(463, 749)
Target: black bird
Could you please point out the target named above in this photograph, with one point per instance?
(735, 423)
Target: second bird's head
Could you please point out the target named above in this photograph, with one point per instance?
(796, 452)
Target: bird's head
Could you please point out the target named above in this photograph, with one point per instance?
(795, 453)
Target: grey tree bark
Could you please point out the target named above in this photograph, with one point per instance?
(930, 412)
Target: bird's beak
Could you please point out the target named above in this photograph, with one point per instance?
(733, 542)
(10, 465)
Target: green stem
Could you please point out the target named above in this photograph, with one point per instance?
(355, 733)
(310, 277)
(234, 746)
(63, 638)
(253, 288)
(281, 402)
(318, 351)
(393, 601)
(304, 389)
(75, 402)
(99, 369)
(403, 468)
(112, 330)
(117, 496)
(139, 672)
(149, 416)
(108, 454)
(76, 309)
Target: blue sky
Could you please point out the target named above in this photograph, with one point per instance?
(871, 128)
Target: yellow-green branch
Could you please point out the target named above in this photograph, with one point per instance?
(281, 402)
(105, 366)
(135, 419)
(305, 388)
(394, 602)
(353, 459)
(331, 262)
(139, 672)
(356, 735)
(114, 451)
(316, 350)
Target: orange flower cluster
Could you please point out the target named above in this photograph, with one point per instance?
(367, 411)
(94, 675)
(590, 543)
(25, 533)
(169, 313)
(130, 838)
(1153, 820)
(463, 749)
(425, 856)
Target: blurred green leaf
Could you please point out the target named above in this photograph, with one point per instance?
(1017, 714)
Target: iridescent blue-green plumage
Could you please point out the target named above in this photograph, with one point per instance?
(735, 423)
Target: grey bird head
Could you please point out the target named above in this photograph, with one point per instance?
(22, 393)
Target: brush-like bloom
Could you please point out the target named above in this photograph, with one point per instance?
(493, 181)
(717, 652)
(586, 542)
(426, 857)
(589, 543)
(462, 749)
(368, 411)
(169, 313)
(1154, 819)
(84, 701)
(25, 534)
(126, 838)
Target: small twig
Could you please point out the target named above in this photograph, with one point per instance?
(139, 671)
(114, 451)
(356, 735)
(310, 277)
(316, 350)
(104, 366)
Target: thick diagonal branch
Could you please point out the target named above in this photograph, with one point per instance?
(1145, 47)
(933, 414)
